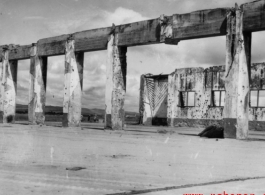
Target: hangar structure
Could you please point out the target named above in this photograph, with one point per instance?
(236, 24)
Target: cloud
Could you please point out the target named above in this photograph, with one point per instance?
(23, 65)
(123, 16)
(95, 91)
(33, 18)
(23, 82)
(95, 18)
(194, 5)
(64, 26)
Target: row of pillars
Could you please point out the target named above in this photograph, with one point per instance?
(73, 81)
(238, 52)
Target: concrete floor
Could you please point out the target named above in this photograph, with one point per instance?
(149, 160)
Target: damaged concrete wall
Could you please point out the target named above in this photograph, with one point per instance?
(197, 110)
(257, 109)
(154, 97)
(204, 83)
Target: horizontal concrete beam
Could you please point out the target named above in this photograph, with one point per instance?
(19, 52)
(138, 33)
(198, 24)
(254, 16)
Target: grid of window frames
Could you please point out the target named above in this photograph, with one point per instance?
(218, 98)
(257, 98)
(186, 95)
(216, 84)
(186, 98)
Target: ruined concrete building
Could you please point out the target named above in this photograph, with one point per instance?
(196, 97)
(187, 96)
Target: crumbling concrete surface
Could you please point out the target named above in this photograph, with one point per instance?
(203, 83)
(53, 160)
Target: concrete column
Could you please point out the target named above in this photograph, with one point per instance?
(115, 84)
(8, 88)
(109, 83)
(73, 77)
(37, 92)
(171, 101)
(238, 50)
(230, 110)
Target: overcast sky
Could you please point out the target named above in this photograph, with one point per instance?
(27, 21)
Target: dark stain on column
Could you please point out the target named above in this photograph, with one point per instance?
(230, 126)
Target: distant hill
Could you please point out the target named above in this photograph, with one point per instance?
(59, 110)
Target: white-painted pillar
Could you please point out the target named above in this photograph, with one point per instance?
(171, 100)
(72, 104)
(115, 84)
(8, 88)
(238, 50)
(37, 92)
